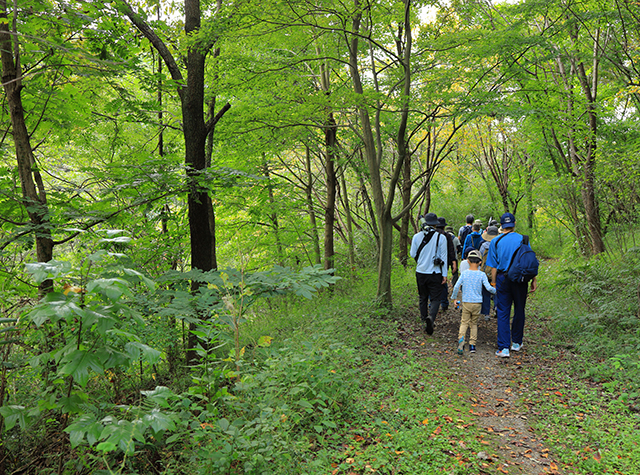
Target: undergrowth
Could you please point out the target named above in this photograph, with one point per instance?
(587, 390)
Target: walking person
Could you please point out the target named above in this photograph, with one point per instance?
(429, 249)
(452, 261)
(473, 240)
(509, 293)
(488, 235)
(473, 281)
(466, 229)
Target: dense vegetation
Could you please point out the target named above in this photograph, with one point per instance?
(205, 210)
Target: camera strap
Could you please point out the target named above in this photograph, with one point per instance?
(425, 240)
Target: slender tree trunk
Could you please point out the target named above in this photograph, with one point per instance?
(330, 133)
(591, 209)
(404, 241)
(369, 209)
(310, 209)
(273, 217)
(349, 219)
(373, 150)
(34, 197)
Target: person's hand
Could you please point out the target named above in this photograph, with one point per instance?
(534, 286)
(444, 280)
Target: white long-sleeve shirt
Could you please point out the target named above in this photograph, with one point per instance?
(436, 246)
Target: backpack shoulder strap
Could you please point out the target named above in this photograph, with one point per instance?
(425, 240)
(498, 240)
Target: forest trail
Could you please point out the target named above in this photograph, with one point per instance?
(497, 388)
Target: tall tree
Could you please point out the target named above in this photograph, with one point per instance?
(196, 128)
(34, 196)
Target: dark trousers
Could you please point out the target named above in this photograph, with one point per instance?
(510, 293)
(444, 299)
(429, 286)
(486, 302)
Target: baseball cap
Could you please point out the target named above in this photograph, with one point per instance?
(507, 220)
(474, 253)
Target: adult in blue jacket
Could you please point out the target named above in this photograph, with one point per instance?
(474, 239)
(509, 293)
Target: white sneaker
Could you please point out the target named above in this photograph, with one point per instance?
(503, 353)
(516, 347)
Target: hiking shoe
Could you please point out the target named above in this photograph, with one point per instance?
(516, 347)
(461, 346)
(429, 326)
(472, 348)
(503, 353)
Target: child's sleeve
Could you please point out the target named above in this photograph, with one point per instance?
(487, 285)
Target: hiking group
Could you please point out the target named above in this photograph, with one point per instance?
(496, 263)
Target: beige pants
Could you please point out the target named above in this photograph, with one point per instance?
(470, 314)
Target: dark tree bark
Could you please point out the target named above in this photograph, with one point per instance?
(195, 131)
(310, 209)
(34, 197)
(330, 134)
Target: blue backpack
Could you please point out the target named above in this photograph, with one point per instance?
(524, 263)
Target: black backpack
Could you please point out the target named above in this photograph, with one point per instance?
(465, 232)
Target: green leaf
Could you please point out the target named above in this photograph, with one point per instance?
(106, 447)
(112, 288)
(84, 426)
(135, 349)
(13, 415)
(73, 403)
(160, 395)
(78, 364)
(42, 271)
(159, 421)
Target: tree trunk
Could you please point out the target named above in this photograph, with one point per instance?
(349, 218)
(273, 217)
(373, 151)
(34, 197)
(195, 136)
(312, 214)
(591, 209)
(330, 134)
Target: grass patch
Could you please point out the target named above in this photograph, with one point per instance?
(344, 396)
(584, 388)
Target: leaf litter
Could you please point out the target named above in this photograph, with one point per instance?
(502, 413)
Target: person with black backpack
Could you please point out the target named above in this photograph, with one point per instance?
(514, 265)
(429, 249)
(466, 229)
(452, 261)
(473, 240)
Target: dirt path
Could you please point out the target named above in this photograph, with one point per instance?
(497, 387)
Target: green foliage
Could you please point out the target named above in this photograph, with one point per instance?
(113, 324)
(597, 308)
